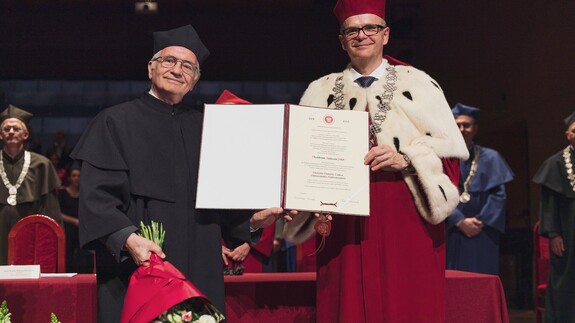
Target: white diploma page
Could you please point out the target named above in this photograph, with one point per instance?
(325, 170)
(241, 157)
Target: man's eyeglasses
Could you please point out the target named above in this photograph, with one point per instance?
(170, 61)
(368, 30)
(8, 128)
(465, 125)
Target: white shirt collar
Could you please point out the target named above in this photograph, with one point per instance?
(153, 94)
(378, 73)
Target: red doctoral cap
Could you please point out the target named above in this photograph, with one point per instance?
(228, 97)
(346, 8)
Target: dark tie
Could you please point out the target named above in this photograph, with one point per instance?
(365, 81)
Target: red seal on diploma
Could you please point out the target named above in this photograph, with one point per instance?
(323, 227)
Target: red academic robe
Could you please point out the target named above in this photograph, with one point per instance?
(260, 252)
(386, 258)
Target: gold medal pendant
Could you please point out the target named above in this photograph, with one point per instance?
(11, 200)
(13, 189)
(464, 197)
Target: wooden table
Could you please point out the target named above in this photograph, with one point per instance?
(72, 299)
(474, 298)
(290, 297)
(274, 297)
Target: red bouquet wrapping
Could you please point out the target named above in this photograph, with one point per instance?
(155, 289)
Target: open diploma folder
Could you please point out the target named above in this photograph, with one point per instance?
(299, 158)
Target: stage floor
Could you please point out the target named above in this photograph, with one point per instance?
(521, 316)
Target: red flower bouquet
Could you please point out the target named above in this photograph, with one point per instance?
(161, 293)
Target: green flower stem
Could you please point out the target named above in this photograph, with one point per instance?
(154, 232)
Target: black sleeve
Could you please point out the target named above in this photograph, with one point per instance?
(104, 199)
(235, 227)
(256, 236)
(549, 212)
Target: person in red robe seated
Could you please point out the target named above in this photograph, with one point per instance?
(388, 266)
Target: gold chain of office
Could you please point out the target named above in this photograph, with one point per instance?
(465, 197)
(569, 166)
(13, 189)
(384, 104)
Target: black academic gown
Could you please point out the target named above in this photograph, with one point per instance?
(140, 162)
(557, 215)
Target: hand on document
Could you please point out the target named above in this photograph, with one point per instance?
(383, 157)
(264, 218)
(324, 216)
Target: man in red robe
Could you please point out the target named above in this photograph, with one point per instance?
(389, 266)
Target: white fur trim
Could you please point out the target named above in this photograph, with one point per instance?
(434, 194)
(420, 121)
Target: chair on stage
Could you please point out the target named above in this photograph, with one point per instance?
(541, 248)
(38, 240)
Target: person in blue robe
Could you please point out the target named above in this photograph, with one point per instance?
(475, 226)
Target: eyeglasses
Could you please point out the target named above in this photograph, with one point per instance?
(8, 128)
(170, 61)
(465, 125)
(368, 30)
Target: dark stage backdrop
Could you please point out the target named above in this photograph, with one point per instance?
(511, 59)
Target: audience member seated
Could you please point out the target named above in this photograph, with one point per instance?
(60, 148)
(60, 171)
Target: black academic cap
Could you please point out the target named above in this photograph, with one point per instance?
(15, 112)
(570, 119)
(77, 164)
(465, 110)
(185, 36)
